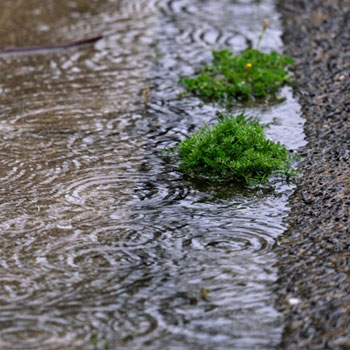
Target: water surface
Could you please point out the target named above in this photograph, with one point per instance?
(103, 244)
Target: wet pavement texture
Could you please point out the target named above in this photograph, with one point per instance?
(314, 277)
(103, 244)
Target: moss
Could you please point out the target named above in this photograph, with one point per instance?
(251, 75)
(234, 150)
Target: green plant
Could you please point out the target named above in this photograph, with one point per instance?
(100, 344)
(251, 75)
(262, 33)
(235, 150)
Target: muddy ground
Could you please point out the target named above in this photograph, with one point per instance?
(315, 252)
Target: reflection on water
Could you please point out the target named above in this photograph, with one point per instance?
(103, 244)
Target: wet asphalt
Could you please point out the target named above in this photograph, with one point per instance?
(314, 269)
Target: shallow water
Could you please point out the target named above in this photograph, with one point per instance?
(103, 244)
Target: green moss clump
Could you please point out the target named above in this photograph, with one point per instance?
(235, 150)
(251, 75)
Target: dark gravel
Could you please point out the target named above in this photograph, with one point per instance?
(315, 252)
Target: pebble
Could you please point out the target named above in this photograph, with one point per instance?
(293, 301)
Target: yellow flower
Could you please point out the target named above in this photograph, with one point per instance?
(248, 65)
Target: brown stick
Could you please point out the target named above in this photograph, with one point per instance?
(65, 45)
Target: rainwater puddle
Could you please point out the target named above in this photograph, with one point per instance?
(104, 245)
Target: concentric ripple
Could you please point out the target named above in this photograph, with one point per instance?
(104, 244)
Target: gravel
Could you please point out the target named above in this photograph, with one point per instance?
(314, 270)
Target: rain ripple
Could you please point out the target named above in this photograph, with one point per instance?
(103, 242)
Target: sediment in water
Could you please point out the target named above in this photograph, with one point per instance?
(314, 278)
